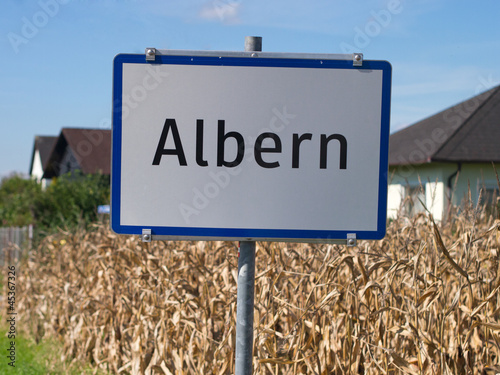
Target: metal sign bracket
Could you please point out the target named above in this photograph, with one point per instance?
(351, 239)
(150, 54)
(146, 235)
(357, 59)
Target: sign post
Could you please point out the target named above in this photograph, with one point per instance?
(245, 308)
(250, 146)
(246, 281)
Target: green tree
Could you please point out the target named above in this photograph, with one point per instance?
(17, 200)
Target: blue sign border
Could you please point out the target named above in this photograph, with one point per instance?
(249, 233)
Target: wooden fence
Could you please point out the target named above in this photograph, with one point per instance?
(13, 242)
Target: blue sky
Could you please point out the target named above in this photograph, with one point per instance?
(56, 55)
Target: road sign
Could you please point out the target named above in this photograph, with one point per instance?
(103, 209)
(250, 146)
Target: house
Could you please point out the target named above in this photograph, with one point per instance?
(41, 151)
(86, 150)
(440, 157)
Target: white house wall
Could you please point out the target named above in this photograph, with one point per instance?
(431, 177)
(435, 199)
(478, 176)
(36, 169)
(395, 198)
(435, 177)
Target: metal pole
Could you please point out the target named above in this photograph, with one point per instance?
(253, 43)
(246, 281)
(245, 308)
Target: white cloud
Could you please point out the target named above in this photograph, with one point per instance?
(225, 11)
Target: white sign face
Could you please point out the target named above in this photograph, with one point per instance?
(250, 148)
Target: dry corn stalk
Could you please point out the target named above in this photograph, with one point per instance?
(393, 306)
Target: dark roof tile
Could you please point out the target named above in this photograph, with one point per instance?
(468, 132)
(90, 147)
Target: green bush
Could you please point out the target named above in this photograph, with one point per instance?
(71, 200)
(17, 201)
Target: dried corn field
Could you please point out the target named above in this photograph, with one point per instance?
(425, 300)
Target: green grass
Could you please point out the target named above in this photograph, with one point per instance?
(32, 358)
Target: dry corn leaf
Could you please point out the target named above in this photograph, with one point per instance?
(312, 311)
(442, 248)
(402, 364)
